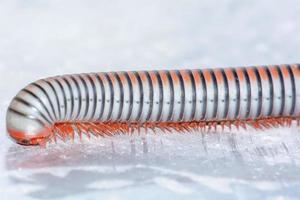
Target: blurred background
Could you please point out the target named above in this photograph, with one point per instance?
(45, 38)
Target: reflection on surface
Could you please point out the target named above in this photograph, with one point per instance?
(216, 164)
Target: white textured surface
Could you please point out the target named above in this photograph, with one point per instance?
(44, 38)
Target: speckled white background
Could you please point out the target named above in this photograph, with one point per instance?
(45, 38)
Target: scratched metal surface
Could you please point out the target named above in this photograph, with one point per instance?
(40, 39)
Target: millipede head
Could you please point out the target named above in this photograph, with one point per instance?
(18, 129)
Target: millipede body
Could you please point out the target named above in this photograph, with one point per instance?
(181, 100)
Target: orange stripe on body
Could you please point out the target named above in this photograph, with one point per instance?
(93, 78)
(263, 74)
(219, 76)
(132, 78)
(274, 72)
(185, 76)
(142, 76)
(164, 78)
(207, 75)
(112, 77)
(285, 71)
(174, 77)
(229, 74)
(153, 78)
(196, 77)
(251, 74)
(240, 74)
(295, 70)
(122, 78)
(103, 78)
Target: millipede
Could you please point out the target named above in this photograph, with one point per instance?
(109, 103)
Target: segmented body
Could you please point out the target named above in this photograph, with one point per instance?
(105, 103)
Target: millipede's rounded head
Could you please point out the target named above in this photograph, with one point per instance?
(24, 130)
